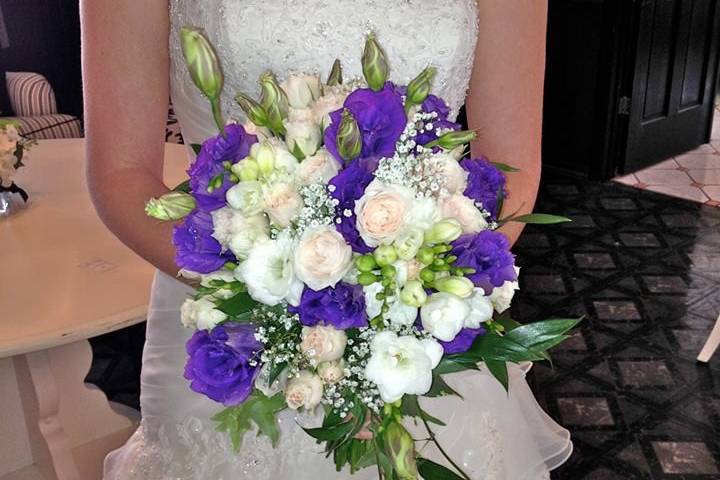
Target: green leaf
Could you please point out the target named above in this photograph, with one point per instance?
(495, 347)
(183, 187)
(539, 333)
(196, 147)
(238, 307)
(499, 371)
(259, 409)
(456, 363)
(430, 470)
(508, 323)
(540, 219)
(411, 407)
(504, 167)
(335, 432)
(439, 388)
(275, 372)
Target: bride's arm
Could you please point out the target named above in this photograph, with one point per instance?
(506, 95)
(125, 72)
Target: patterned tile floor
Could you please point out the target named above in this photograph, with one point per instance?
(644, 269)
(692, 176)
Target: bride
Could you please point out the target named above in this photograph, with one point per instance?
(493, 49)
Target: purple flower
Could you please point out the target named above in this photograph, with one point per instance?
(484, 183)
(342, 307)
(488, 253)
(195, 247)
(433, 104)
(209, 164)
(349, 186)
(219, 363)
(463, 341)
(380, 116)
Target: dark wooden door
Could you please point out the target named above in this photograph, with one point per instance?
(672, 94)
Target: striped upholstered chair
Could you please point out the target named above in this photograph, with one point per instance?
(33, 102)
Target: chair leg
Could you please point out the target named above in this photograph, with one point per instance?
(712, 343)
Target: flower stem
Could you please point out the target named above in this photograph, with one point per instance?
(442, 451)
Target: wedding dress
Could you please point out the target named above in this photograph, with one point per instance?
(493, 435)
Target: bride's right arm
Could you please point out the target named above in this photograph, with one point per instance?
(125, 77)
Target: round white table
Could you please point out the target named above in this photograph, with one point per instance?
(65, 279)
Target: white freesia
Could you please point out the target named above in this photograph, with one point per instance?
(224, 275)
(401, 314)
(423, 214)
(401, 365)
(409, 242)
(331, 372)
(382, 212)
(319, 168)
(282, 202)
(481, 309)
(302, 137)
(444, 315)
(323, 343)
(373, 306)
(463, 209)
(454, 177)
(246, 197)
(322, 257)
(301, 90)
(304, 390)
(200, 314)
(325, 105)
(501, 297)
(269, 273)
(237, 232)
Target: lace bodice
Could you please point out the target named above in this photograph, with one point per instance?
(284, 36)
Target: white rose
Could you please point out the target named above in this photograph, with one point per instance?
(246, 197)
(322, 257)
(302, 138)
(463, 210)
(323, 343)
(401, 365)
(325, 105)
(269, 274)
(319, 168)
(444, 315)
(501, 297)
(304, 390)
(301, 90)
(382, 211)
(237, 232)
(481, 309)
(200, 314)
(453, 175)
(282, 202)
(331, 372)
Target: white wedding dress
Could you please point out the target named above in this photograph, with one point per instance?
(492, 435)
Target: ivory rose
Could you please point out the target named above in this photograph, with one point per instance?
(463, 210)
(319, 168)
(282, 202)
(323, 343)
(322, 257)
(304, 390)
(381, 212)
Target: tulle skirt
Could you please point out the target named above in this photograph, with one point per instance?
(490, 433)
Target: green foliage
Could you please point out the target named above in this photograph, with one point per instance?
(411, 408)
(540, 219)
(183, 187)
(196, 147)
(504, 167)
(499, 371)
(439, 388)
(430, 470)
(238, 307)
(258, 409)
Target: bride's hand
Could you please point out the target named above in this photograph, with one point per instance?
(365, 433)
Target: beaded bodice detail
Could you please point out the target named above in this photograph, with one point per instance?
(286, 36)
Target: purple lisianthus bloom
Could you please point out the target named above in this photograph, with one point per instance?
(233, 147)
(488, 253)
(380, 116)
(219, 363)
(463, 341)
(342, 307)
(484, 183)
(195, 247)
(434, 104)
(349, 185)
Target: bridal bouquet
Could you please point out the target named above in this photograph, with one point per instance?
(12, 151)
(347, 256)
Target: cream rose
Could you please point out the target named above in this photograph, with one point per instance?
(301, 90)
(323, 343)
(282, 202)
(302, 138)
(381, 212)
(453, 175)
(322, 257)
(327, 104)
(319, 168)
(463, 210)
(331, 372)
(304, 390)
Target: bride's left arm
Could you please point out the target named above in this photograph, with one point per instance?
(506, 95)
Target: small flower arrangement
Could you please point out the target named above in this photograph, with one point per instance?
(348, 256)
(12, 152)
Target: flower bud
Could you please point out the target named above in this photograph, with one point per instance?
(427, 275)
(335, 78)
(374, 64)
(452, 140)
(274, 101)
(246, 170)
(413, 294)
(264, 155)
(444, 231)
(365, 263)
(426, 256)
(253, 110)
(408, 244)
(366, 279)
(385, 255)
(202, 62)
(349, 138)
(171, 206)
(400, 447)
(419, 88)
(460, 286)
